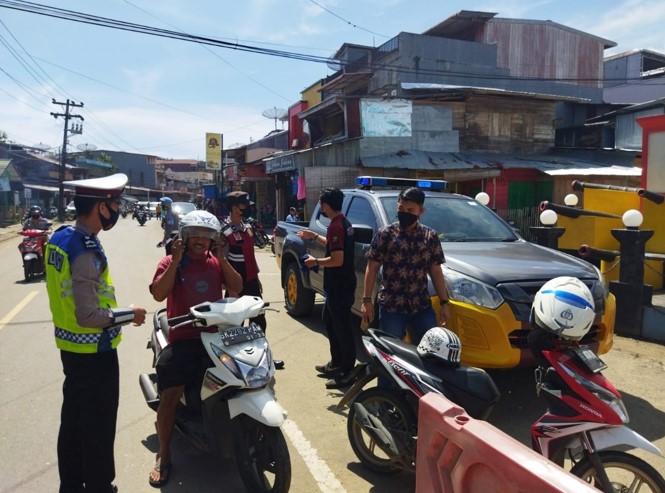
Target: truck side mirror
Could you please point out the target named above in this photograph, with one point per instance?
(363, 234)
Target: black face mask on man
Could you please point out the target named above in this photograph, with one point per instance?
(406, 219)
(108, 223)
(246, 212)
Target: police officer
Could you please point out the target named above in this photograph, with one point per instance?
(88, 324)
(240, 239)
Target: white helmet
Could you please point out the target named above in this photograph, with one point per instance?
(564, 306)
(199, 223)
(442, 344)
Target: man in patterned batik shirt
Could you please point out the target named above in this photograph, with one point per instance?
(408, 252)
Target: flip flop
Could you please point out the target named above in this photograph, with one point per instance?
(162, 469)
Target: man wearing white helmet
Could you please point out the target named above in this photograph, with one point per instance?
(194, 272)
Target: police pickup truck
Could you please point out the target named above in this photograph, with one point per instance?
(491, 273)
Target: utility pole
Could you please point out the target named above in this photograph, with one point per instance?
(75, 129)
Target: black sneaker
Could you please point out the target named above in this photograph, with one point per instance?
(343, 379)
(327, 370)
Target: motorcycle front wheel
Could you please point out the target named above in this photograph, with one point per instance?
(626, 473)
(260, 240)
(396, 415)
(27, 269)
(262, 456)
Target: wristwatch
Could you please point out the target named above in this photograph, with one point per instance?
(443, 302)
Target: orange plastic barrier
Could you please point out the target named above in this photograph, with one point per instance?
(458, 454)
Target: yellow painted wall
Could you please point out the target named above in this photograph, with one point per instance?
(596, 231)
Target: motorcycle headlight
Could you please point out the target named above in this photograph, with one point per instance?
(469, 290)
(615, 403)
(227, 361)
(254, 376)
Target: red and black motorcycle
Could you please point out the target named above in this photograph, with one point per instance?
(586, 420)
(32, 252)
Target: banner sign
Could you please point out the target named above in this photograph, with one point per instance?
(284, 163)
(213, 151)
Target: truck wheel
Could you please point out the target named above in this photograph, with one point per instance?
(299, 300)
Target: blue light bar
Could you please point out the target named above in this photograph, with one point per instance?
(368, 182)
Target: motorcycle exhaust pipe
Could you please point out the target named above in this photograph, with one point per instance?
(149, 391)
(375, 429)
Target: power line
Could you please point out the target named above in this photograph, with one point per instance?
(346, 21)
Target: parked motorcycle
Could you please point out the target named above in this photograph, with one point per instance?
(261, 238)
(233, 410)
(32, 252)
(586, 418)
(141, 216)
(586, 422)
(382, 423)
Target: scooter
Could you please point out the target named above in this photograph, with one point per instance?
(234, 410)
(32, 251)
(382, 424)
(586, 419)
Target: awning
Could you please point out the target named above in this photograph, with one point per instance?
(469, 165)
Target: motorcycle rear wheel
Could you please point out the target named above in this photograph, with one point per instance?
(395, 414)
(262, 456)
(626, 473)
(27, 270)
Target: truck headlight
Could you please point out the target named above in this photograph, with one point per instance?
(469, 290)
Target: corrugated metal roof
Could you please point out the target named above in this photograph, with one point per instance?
(446, 161)
(431, 86)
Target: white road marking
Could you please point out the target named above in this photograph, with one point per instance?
(327, 481)
(8, 318)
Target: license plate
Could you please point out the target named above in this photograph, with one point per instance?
(237, 335)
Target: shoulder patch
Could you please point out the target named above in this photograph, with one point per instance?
(89, 243)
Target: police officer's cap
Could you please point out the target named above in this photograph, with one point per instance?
(238, 198)
(107, 187)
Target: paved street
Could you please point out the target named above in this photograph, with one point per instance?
(322, 459)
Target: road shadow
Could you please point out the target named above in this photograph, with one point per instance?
(519, 407)
(194, 470)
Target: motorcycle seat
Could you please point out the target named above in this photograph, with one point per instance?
(402, 349)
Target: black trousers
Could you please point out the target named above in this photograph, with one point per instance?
(337, 319)
(87, 422)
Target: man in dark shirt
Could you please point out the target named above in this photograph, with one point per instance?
(339, 284)
(408, 252)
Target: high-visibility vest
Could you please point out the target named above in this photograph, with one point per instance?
(63, 248)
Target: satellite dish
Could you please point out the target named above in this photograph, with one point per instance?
(334, 64)
(86, 147)
(42, 147)
(275, 113)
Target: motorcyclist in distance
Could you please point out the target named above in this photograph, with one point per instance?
(36, 220)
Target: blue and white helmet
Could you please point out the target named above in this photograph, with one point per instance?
(565, 307)
(199, 223)
(442, 344)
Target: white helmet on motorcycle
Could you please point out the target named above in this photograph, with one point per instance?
(442, 344)
(564, 306)
(199, 223)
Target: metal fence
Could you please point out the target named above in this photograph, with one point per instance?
(522, 220)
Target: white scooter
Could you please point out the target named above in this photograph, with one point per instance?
(233, 410)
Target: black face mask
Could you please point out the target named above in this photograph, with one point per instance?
(113, 218)
(246, 212)
(406, 219)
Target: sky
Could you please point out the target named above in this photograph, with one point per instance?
(156, 95)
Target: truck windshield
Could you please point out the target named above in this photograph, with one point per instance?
(458, 219)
